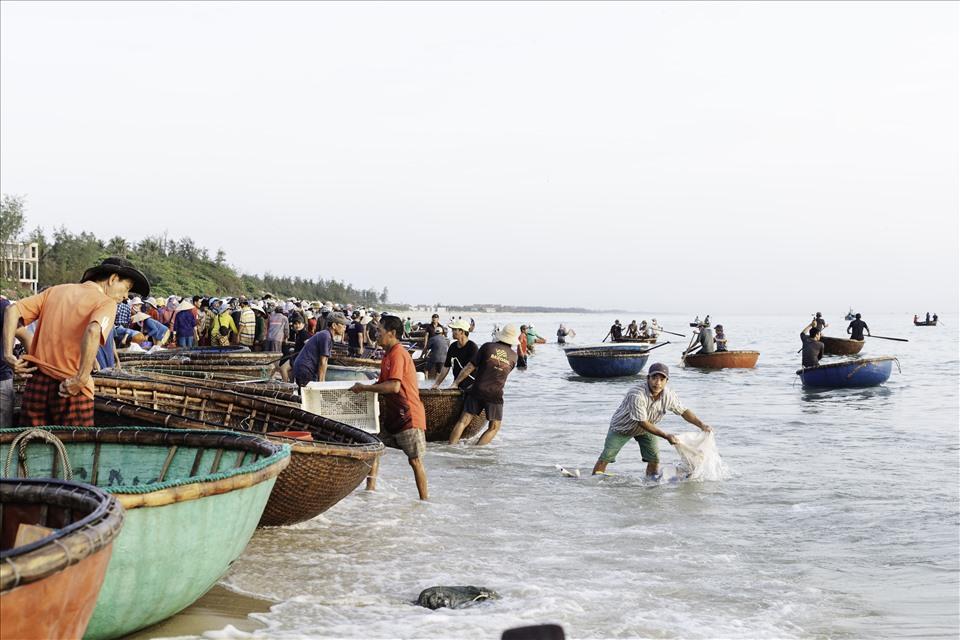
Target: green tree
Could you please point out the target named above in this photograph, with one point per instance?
(12, 218)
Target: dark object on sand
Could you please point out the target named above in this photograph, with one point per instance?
(454, 597)
(535, 632)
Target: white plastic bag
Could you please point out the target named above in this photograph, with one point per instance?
(699, 456)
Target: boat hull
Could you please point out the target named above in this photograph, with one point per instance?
(49, 586)
(723, 360)
(865, 372)
(606, 364)
(840, 346)
(932, 323)
(59, 606)
(179, 535)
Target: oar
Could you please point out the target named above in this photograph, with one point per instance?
(682, 335)
(886, 338)
(662, 344)
(605, 337)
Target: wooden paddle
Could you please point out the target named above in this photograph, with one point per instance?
(682, 335)
(662, 344)
(886, 338)
(605, 337)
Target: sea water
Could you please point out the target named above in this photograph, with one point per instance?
(839, 518)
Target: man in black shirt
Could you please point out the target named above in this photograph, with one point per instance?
(616, 331)
(493, 363)
(856, 327)
(812, 347)
(356, 337)
(461, 352)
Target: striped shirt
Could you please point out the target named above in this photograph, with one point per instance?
(638, 405)
(248, 327)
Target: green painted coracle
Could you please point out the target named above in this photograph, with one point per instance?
(192, 501)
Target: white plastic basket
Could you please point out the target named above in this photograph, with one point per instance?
(334, 400)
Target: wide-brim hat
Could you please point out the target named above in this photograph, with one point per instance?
(509, 335)
(123, 268)
(139, 317)
(186, 305)
(463, 325)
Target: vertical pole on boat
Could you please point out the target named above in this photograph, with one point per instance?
(372, 476)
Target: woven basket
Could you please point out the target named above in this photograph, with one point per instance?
(321, 473)
(443, 407)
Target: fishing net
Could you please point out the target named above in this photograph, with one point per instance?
(699, 456)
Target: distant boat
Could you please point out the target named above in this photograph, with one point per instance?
(850, 315)
(925, 323)
(862, 372)
(599, 362)
(644, 340)
(840, 346)
(723, 360)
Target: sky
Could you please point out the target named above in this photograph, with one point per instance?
(718, 157)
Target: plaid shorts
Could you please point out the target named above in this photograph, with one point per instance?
(411, 441)
(43, 405)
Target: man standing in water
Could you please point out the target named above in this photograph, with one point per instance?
(73, 321)
(460, 353)
(492, 364)
(856, 327)
(643, 407)
(403, 417)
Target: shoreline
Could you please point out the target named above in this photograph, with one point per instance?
(219, 607)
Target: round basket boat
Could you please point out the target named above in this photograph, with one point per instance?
(192, 500)
(723, 360)
(49, 585)
(840, 346)
(443, 407)
(207, 371)
(232, 359)
(606, 363)
(369, 363)
(860, 372)
(322, 471)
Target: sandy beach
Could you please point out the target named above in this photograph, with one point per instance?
(214, 611)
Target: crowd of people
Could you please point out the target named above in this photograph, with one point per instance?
(59, 336)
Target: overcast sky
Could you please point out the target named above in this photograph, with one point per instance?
(707, 157)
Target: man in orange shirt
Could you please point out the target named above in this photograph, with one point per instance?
(403, 417)
(73, 321)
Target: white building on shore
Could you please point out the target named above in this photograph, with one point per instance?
(20, 262)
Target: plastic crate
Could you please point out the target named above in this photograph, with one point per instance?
(334, 400)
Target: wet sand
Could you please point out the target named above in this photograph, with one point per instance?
(218, 608)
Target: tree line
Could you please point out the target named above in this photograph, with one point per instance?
(173, 266)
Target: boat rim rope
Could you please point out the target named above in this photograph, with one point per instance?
(19, 444)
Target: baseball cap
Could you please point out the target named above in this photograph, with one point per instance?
(660, 369)
(337, 318)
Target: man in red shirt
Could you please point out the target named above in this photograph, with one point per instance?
(73, 321)
(403, 418)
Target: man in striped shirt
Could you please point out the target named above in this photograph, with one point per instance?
(248, 324)
(643, 407)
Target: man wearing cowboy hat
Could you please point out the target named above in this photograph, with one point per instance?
(73, 320)
(636, 419)
(460, 352)
(491, 366)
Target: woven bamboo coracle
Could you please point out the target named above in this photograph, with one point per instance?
(443, 408)
(321, 472)
(236, 359)
(85, 519)
(61, 571)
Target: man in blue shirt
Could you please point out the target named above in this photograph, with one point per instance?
(311, 364)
